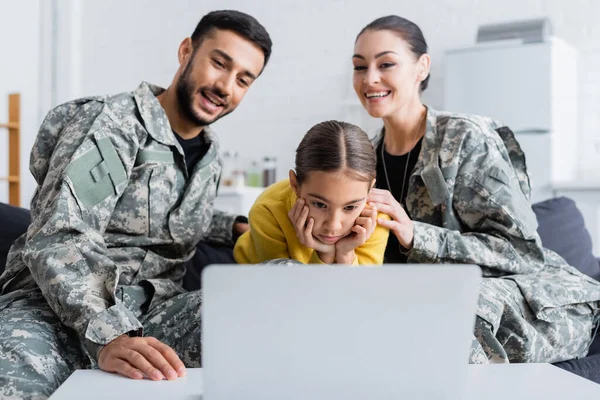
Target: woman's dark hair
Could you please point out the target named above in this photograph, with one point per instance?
(407, 30)
(336, 146)
(229, 20)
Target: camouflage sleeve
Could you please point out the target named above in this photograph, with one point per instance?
(498, 225)
(78, 187)
(221, 228)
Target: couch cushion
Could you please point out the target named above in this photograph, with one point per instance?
(587, 367)
(14, 222)
(562, 229)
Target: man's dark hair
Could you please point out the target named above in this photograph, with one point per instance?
(238, 22)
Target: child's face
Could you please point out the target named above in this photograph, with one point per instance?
(334, 201)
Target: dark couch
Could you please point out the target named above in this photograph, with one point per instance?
(561, 228)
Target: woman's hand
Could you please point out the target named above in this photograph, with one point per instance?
(401, 225)
(304, 228)
(361, 231)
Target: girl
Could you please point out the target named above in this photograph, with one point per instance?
(320, 215)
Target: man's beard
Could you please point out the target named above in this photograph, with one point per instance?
(185, 91)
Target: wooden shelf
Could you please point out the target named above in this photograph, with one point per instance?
(14, 151)
(10, 179)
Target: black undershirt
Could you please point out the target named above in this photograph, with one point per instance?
(194, 150)
(396, 169)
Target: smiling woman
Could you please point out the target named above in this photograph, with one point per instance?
(320, 214)
(457, 191)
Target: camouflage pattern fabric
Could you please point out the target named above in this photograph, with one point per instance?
(469, 200)
(114, 218)
(46, 352)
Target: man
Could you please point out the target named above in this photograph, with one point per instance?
(126, 185)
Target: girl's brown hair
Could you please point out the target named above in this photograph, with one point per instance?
(333, 146)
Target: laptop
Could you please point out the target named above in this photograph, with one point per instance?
(331, 332)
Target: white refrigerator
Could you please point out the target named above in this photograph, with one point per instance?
(531, 88)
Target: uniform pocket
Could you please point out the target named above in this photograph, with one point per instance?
(163, 197)
(131, 213)
(147, 198)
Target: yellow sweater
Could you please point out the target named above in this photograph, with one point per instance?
(272, 234)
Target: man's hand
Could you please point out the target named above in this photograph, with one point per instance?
(135, 357)
(240, 227)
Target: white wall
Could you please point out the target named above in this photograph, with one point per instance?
(108, 46)
(308, 78)
(20, 30)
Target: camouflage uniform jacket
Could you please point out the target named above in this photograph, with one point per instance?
(468, 198)
(115, 214)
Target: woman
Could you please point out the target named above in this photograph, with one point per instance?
(457, 190)
(320, 215)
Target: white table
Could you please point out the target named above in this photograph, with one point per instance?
(489, 382)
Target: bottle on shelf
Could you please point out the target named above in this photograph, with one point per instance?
(254, 175)
(269, 165)
(227, 171)
(239, 178)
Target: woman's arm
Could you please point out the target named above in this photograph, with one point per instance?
(498, 224)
